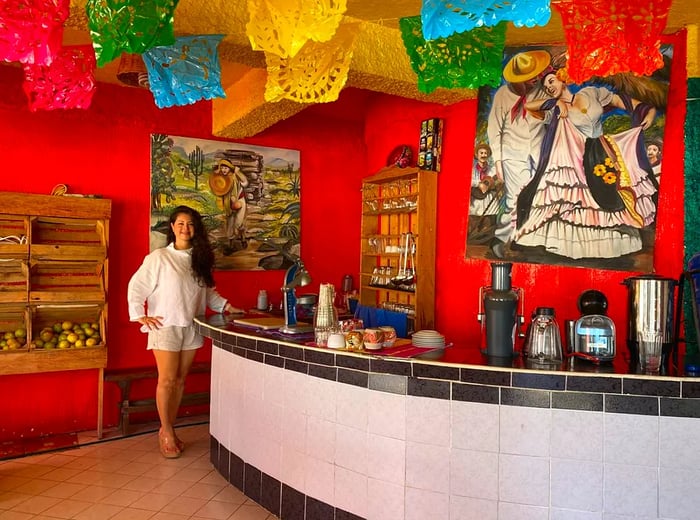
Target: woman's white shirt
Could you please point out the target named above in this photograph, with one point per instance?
(166, 284)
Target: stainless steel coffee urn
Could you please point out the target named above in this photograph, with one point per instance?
(650, 309)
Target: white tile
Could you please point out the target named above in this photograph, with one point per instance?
(523, 480)
(294, 429)
(352, 406)
(351, 491)
(525, 431)
(251, 432)
(321, 398)
(320, 439)
(271, 421)
(577, 484)
(428, 467)
(679, 442)
(422, 504)
(568, 514)
(387, 415)
(386, 459)
(467, 508)
(320, 479)
(631, 439)
(508, 511)
(475, 426)
(295, 390)
(577, 435)
(474, 474)
(678, 493)
(611, 516)
(385, 500)
(293, 470)
(273, 385)
(254, 381)
(428, 420)
(351, 449)
(630, 490)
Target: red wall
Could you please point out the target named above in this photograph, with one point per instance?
(105, 150)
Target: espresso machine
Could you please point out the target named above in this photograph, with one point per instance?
(650, 309)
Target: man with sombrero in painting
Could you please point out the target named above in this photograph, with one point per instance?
(227, 182)
(515, 135)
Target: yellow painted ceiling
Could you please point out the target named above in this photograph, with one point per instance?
(379, 63)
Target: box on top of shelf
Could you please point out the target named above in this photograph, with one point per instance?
(12, 203)
(13, 281)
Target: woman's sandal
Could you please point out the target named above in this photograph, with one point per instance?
(179, 443)
(168, 449)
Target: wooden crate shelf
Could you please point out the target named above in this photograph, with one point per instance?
(54, 271)
(13, 281)
(58, 274)
(66, 281)
(14, 236)
(13, 318)
(67, 239)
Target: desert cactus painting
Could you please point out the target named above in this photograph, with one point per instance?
(248, 195)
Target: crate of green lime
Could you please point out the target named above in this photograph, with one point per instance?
(67, 326)
(13, 328)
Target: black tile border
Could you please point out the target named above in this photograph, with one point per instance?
(577, 401)
(276, 497)
(476, 393)
(673, 397)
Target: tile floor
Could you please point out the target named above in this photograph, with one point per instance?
(123, 479)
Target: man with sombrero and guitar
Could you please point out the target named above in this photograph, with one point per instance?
(515, 136)
(227, 182)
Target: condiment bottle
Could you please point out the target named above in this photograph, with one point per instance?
(262, 300)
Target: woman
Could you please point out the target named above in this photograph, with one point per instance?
(177, 283)
(591, 192)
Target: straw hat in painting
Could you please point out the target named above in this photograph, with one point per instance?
(219, 183)
(526, 65)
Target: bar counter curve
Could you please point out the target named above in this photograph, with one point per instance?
(311, 433)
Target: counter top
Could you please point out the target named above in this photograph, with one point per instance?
(459, 365)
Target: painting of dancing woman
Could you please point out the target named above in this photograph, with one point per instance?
(592, 192)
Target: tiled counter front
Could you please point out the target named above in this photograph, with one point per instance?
(313, 434)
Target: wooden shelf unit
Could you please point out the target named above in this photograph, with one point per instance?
(396, 201)
(53, 267)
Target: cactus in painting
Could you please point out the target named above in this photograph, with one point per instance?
(196, 157)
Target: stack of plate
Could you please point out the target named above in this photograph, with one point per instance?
(428, 339)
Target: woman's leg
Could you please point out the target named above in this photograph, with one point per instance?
(186, 359)
(172, 367)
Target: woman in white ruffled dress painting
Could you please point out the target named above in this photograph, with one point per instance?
(592, 193)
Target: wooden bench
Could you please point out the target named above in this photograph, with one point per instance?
(127, 406)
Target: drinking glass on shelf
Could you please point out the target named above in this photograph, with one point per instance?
(650, 345)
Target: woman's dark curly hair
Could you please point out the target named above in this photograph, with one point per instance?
(202, 252)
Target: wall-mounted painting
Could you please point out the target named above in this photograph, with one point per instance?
(248, 195)
(567, 174)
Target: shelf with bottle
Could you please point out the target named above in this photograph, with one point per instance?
(399, 206)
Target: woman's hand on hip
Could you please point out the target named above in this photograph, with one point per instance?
(151, 322)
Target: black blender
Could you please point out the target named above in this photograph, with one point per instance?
(499, 315)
